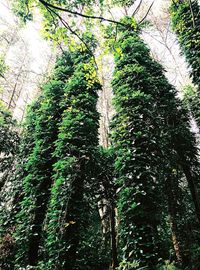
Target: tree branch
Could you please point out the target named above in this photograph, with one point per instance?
(66, 25)
(146, 13)
(192, 13)
(79, 14)
(137, 8)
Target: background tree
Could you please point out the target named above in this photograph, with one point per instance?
(186, 22)
(37, 179)
(9, 145)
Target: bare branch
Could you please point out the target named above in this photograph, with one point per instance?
(137, 8)
(79, 14)
(147, 12)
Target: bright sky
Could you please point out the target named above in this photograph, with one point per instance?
(31, 35)
(38, 53)
(39, 50)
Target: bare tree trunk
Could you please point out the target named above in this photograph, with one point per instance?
(113, 237)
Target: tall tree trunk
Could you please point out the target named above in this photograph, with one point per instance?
(41, 208)
(113, 237)
(178, 229)
(192, 181)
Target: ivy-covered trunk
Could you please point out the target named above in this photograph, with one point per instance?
(192, 102)
(37, 178)
(176, 219)
(74, 170)
(148, 119)
(186, 23)
(134, 137)
(9, 149)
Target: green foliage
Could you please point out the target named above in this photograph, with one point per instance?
(25, 8)
(59, 33)
(9, 141)
(69, 206)
(150, 128)
(9, 146)
(57, 170)
(129, 265)
(92, 253)
(186, 24)
(42, 127)
(22, 9)
(126, 3)
(167, 266)
(135, 140)
(192, 101)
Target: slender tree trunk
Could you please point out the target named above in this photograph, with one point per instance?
(192, 182)
(172, 208)
(179, 241)
(103, 206)
(41, 208)
(113, 237)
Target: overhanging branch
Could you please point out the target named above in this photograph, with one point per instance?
(147, 12)
(80, 14)
(67, 26)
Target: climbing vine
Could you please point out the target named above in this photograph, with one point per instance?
(149, 121)
(186, 24)
(74, 171)
(37, 179)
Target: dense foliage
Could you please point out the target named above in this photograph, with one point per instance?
(37, 179)
(74, 170)
(192, 101)
(154, 145)
(9, 147)
(57, 202)
(186, 23)
(9, 142)
(71, 204)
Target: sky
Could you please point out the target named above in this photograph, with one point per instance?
(40, 52)
(29, 42)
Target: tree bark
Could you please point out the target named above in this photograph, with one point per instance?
(115, 262)
(178, 229)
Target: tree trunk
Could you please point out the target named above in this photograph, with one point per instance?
(113, 237)
(177, 228)
(192, 182)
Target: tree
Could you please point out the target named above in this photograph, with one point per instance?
(149, 121)
(37, 179)
(134, 138)
(73, 177)
(185, 22)
(192, 101)
(9, 142)
(9, 147)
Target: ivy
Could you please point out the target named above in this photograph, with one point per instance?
(38, 168)
(150, 128)
(75, 149)
(9, 141)
(186, 24)
(192, 101)
(135, 139)
(9, 148)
